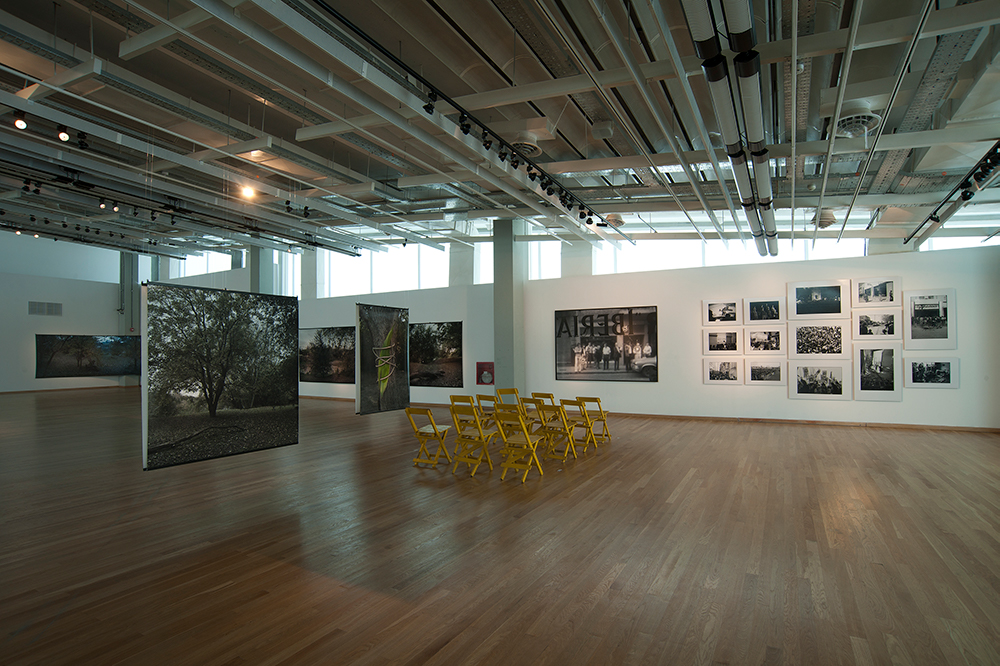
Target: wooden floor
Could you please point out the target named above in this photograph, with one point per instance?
(684, 542)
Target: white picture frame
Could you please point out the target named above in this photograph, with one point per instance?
(721, 312)
(878, 371)
(763, 310)
(722, 341)
(876, 292)
(933, 372)
(819, 339)
(877, 324)
(723, 371)
(819, 299)
(819, 379)
(930, 319)
(765, 339)
(765, 371)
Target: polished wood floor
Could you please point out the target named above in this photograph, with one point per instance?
(684, 542)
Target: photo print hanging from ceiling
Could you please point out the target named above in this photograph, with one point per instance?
(436, 354)
(326, 355)
(220, 373)
(382, 359)
(606, 344)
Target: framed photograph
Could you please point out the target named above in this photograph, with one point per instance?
(878, 370)
(827, 339)
(724, 371)
(721, 312)
(718, 341)
(826, 299)
(931, 372)
(930, 319)
(872, 324)
(764, 339)
(820, 380)
(878, 292)
(606, 344)
(766, 371)
(763, 309)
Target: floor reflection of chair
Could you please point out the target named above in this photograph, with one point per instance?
(519, 445)
(471, 442)
(547, 398)
(555, 433)
(576, 416)
(428, 432)
(487, 408)
(598, 418)
(508, 396)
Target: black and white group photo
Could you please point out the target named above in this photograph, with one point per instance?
(765, 371)
(878, 291)
(929, 317)
(818, 300)
(876, 325)
(764, 341)
(819, 339)
(722, 371)
(875, 367)
(606, 344)
(817, 380)
(933, 373)
(721, 312)
(764, 310)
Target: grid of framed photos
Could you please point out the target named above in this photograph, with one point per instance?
(833, 339)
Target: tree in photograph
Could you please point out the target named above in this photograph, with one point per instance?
(48, 346)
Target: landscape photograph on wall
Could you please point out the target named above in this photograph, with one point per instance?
(382, 358)
(221, 373)
(436, 354)
(327, 355)
(86, 355)
(606, 344)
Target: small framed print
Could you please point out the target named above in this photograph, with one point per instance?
(721, 312)
(879, 292)
(764, 339)
(930, 319)
(765, 371)
(931, 372)
(878, 372)
(826, 339)
(758, 310)
(724, 371)
(820, 380)
(825, 299)
(718, 341)
(883, 324)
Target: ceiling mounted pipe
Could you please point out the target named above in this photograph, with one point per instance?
(699, 19)
(770, 231)
(739, 23)
(762, 176)
(717, 75)
(748, 75)
(745, 190)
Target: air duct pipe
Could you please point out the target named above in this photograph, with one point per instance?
(699, 19)
(762, 177)
(739, 23)
(826, 19)
(745, 191)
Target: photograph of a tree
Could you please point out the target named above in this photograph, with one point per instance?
(222, 373)
(327, 355)
(436, 354)
(86, 355)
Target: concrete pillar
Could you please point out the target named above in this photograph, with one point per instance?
(461, 265)
(129, 310)
(309, 285)
(510, 272)
(260, 261)
(577, 259)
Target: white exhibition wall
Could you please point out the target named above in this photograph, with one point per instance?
(27, 255)
(472, 305)
(89, 308)
(678, 295)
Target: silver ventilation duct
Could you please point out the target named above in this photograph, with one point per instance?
(717, 75)
(745, 190)
(739, 23)
(702, 27)
(748, 76)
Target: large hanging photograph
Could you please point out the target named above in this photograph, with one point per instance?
(327, 355)
(606, 344)
(220, 373)
(436, 354)
(86, 355)
(382, 359)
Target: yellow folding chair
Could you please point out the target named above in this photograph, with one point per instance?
(547, 398)
(598, 417)
(471, 441)
(463, 400)
(577, 418)
(487, 406)
(530, 412)
(555, 433)
(508, 396)
(427, 433)
(519, 445)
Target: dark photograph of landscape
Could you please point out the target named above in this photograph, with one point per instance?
(327, 355)
(222, 373)
(86, 355)
(436, 354)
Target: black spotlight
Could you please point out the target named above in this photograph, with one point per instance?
(26, 186)
(967, 194)
(46, 220)
(78, 227)
(532, 175)
(172, 220)
(487, 141)
(135, 211)
(515, 162)
(87, 230)
(32, 218)
(431, 98)
(81, 141)
(305, 212)
(152, 216)
(463, 123)
(37, 190)
(549, 190)
(2, 212)
(65, 225)
(502, 155)
(590, 220)
(583, 215)
(288, 205)
(63, 133)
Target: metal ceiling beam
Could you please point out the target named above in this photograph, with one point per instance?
(157, 36)
(39, 91)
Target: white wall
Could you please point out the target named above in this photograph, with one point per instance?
(27, 255)
(471, 304)
(235, 280)
(974, 273)
(89, 308)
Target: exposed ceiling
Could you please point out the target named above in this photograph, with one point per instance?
(361, 125)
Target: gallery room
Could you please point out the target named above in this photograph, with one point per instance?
(499, 332)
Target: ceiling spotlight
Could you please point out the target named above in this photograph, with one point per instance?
(515, 162)
(78, 227)
(65, 225)
(63, 133)
(32, 218)
(19, 121)
(583, 215)
(288, 205)
(102, 205)
(47, 221)
(114, 206)
(431, 98)
(17, 232)
(487, 141)
(26, 187)
(248, 192)
(81, 141)
(36, 235)
(87, 230)
(532, 175)
(549, 190)
(305, 212)
(502, 154)
(135, 211)
(37, 189)
(2, 211)
(967, 194)
(172, 220)
(590, 220)
(152, 216)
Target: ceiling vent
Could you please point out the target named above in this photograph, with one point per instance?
(526, 143)
(524, 135)
(824, 218)
(614, 220)
(857, 120)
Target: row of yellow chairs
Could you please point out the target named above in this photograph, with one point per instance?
(526, 427)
